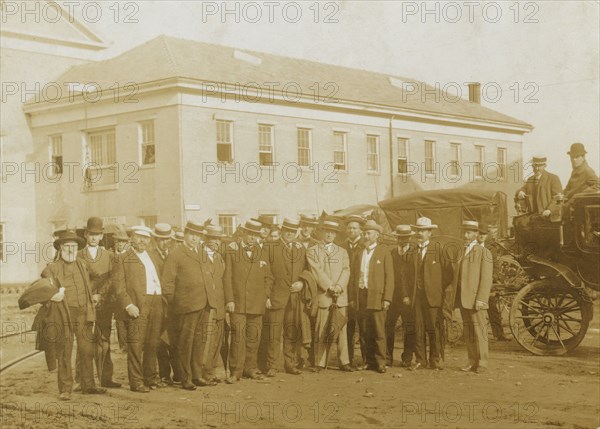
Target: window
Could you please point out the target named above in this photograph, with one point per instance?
(480, 152)
(149, 221)
(429, 157)
(56, 154)
(147, 143)
(224, 141)
(455, 159)
(227, 222)
(501, 163)
(304, 147)
(102, 148)
(402, 155)
(2, 242)
(339, 150)
(265, 144)
(372, 154)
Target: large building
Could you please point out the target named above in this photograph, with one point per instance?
(176, 129)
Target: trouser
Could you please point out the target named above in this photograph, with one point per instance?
(190, 346)
(225, 349)
(475, 336)
(84, 335)
(322, 343)
(495, 316)
(212, 339)
(167, 353)
(143, 336)
(350, 331)
(371, 324)
(121, 334)
(245, 338)
(104, 328)
(427, 326)
(406, 312)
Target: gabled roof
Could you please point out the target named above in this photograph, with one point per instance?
(167, 57)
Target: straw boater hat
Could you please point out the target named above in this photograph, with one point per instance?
(162, 230)
(252, 227)
(538, 160)
(403, 231)
(424, 223)
(330, 225)
(94, 226)
(308, 220)
(67, 236)
(178, 236)
(142, 230)
(214, 231)
(290, 225)
(470, 225)
(266, 221)
(194, 227)
(577, 149)
(355, 218)
(371, 225)
(120, 234)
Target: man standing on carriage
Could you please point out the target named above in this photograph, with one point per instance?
(540, 189)
(582, 176)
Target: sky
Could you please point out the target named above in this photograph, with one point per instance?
(543, 55)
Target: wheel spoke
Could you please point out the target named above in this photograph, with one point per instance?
(559, 339)
(567, 328)
(530, 307)
(538, 334)
(570, 318)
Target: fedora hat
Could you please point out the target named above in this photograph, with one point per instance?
(424, 223)
(214, 231)
(403, 231)
(538, 160)
(252, 227)
(330, 225)
(470, 225)
(66, 236)
(162, 230)
(355, 218)
(371, 225)
(194, 227)
(141, 230)
(290, 225)
(94, 225)
(483, 229)
(577, 149)
(120, 233)
(308, 220)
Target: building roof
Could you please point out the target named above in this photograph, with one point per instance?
(167, 57)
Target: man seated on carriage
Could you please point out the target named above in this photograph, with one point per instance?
(583, 177)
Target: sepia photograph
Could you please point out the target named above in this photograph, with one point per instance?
(299, 214)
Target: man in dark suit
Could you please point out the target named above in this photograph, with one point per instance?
(288, 260)
(75, 291)
(247, 279)
(472, 283)
(583, 176)
(540, 188)
(371, 289)
(185, 288)
(433, 279)
(354, 246)
(404, 278)
(137, 281)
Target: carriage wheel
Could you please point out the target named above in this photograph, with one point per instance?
(548, 318)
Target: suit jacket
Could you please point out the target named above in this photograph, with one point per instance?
(381, 278)
(404, 274)
(330, 269)
(129, 278)
(55, 270)
(215, 291)
(582, 177)
(100, 269)
(437, 274)
(547, 187)
(475, 281)
(287, 263)
(184, 280)
(247, 280)
(159, 258)
(353, 252)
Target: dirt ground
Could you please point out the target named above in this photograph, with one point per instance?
(519, 391)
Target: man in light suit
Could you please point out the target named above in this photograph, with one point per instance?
(330, 265)
(473, 282)
(540, 188)
(371, 290)
(136, 278)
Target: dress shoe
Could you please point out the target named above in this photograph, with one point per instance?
(231, 380)
(202, 382)
(346, 368)
(111, 384)
(294, 371)
(469, 368)
(271, 373)
(389, 363)
(65, 396)
(140, 389)
(361, 367)
(254, 376)
(158, 384)
(381, 370)
(167, 380)
(318, 368)
(94, 391)
(215, 380)
(187, 385)
(480, 369)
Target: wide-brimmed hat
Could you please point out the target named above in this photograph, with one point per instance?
(66, 236)
(538, 160)
(403, 231)
(194, 227)
(162, 230)
(252, 227)
(120, 233)
(142, 230)
(214, 231)
(371, 225)
(424, 223)
(330, 225)
(470, 225)
(94, 225)
(577, 149)
(308, 220)
(290, 225)
(483, 229)
(355, 218)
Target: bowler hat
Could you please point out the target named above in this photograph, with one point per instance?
(371, 225)
(194, 227)
(403, 231)
(470, 225)
(424, 223)
(577, 149)
(94, 225)
(265, 220)
(162, 230)
(252, 227)
(290, 225)
(66, 236)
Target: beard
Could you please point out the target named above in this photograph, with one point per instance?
(68, 256)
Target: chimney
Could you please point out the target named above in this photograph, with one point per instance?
(475, 92)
